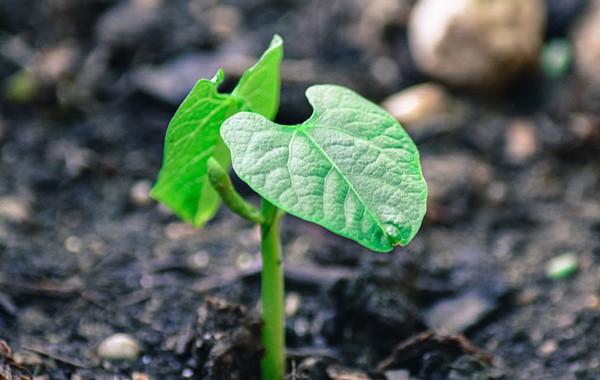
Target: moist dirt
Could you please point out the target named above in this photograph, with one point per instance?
(85, 254)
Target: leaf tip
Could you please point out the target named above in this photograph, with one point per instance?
(219, 76)
(276, 41)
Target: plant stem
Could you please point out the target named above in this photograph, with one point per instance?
(273, 334)
(220, 181)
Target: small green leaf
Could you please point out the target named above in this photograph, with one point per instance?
(259, 86)
(562, 266)
(191, 139)
(350, 168)
(193, 135)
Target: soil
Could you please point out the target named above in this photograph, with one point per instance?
(89, 89)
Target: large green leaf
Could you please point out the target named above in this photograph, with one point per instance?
(350, 168)
(193, 135)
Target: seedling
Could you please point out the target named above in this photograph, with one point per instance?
(350, 168)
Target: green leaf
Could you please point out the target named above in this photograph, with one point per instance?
(191, 139)
(193, 135)
(259, 86)
(350, 167)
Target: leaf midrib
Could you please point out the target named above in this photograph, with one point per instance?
(350, 185)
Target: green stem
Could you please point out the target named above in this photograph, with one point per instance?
(220, 181)
(273, 363)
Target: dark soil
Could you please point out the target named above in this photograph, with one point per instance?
(89, 89)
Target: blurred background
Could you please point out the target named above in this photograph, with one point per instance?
(501, 96)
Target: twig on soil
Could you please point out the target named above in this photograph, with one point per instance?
(306, 276)
(298, 354)
(9, 369)
(59, 358)
(134, 298)
(43, 288)
(413, 348)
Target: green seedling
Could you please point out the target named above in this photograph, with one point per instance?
(562, 266)
(350, 168)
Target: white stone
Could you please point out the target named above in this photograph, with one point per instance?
(140, 193)
(119, 347)
(477, 44)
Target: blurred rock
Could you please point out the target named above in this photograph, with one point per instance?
(225, 20)
(586, 128)
(521, 141)
(125, 23)
(14, 209)
(477, 44)
(375, 17)
(55, 62)
(119, 347)
(140, 376)
(139, 193)
(453, 181)
(172, 81)
(458, 314)
(419, 104)
(587, 46)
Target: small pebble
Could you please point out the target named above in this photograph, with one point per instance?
(592, 302)
(562, 266)
(419, 104)
(140, 193)
(140, 376)
(178, 230)
(55, 62)
(14, 209)
(199, 260)
(385, 70)
(244, 261)
(521, 141)
(119, 347)
(73, 244)
(301, 327)
(458, 314)
(527, 297)
(548, 347)
(292, 303)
